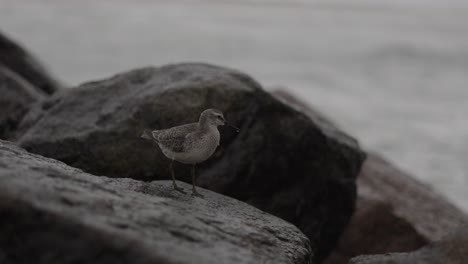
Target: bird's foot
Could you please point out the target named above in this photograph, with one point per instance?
(197, 194)
(181, 190)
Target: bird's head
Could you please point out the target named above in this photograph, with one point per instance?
(214, 117)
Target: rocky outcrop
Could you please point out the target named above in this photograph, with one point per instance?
(430, 213)
(53, 213)
(299, 168)
(17, 96)
(394, 211)
(21, 62)
(452, 249)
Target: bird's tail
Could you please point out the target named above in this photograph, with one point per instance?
(147, 134)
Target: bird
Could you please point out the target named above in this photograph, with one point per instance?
(191, 143)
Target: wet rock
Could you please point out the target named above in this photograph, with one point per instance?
(53, 213)
(20, 61)
(394, 211)
(17, 97)
(283, 162)
(452, 249)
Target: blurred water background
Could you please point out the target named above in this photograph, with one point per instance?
(392, 73)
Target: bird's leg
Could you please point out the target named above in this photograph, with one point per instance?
(173, 179)
(194, 182)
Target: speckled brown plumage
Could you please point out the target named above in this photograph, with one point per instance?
(190, 143)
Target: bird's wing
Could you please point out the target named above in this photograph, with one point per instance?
(174, 138)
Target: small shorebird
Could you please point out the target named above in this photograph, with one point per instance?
(191, 143)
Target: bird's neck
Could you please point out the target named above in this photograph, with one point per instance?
(203, 125)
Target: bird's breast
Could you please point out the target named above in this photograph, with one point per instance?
(200, 147)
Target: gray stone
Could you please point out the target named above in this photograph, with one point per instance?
(429, 212)
(394, 211)
(17, 97)
(451, 249)
(53, 213)
(299, 168)
(20, 61)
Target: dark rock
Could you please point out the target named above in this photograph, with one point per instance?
(375, 228)
(17, 96)
(283, 162)
(53, 213)
(430, 213)
(394, 211)
(452, 249)
(26, 65)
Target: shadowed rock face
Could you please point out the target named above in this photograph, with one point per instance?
(394, 212)
(53, 213)
(296, 167)
(21, 62)
(16, 97)
(452, 249)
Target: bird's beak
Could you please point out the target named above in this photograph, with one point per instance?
(229, 124)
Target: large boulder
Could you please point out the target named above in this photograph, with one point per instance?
(283, 162)
(394, 211)
(20, 61)
(17, 97)
(53, 213)
(451, 249)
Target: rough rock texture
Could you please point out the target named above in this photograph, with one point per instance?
(452, 249)
(394, 211)
(53, 213)
(283, 162)
(25, 65)
(17, 96)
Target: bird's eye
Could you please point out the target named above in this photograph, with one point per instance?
(220, 117)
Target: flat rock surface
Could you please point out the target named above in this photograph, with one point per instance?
(53, 213)
(284, 162)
